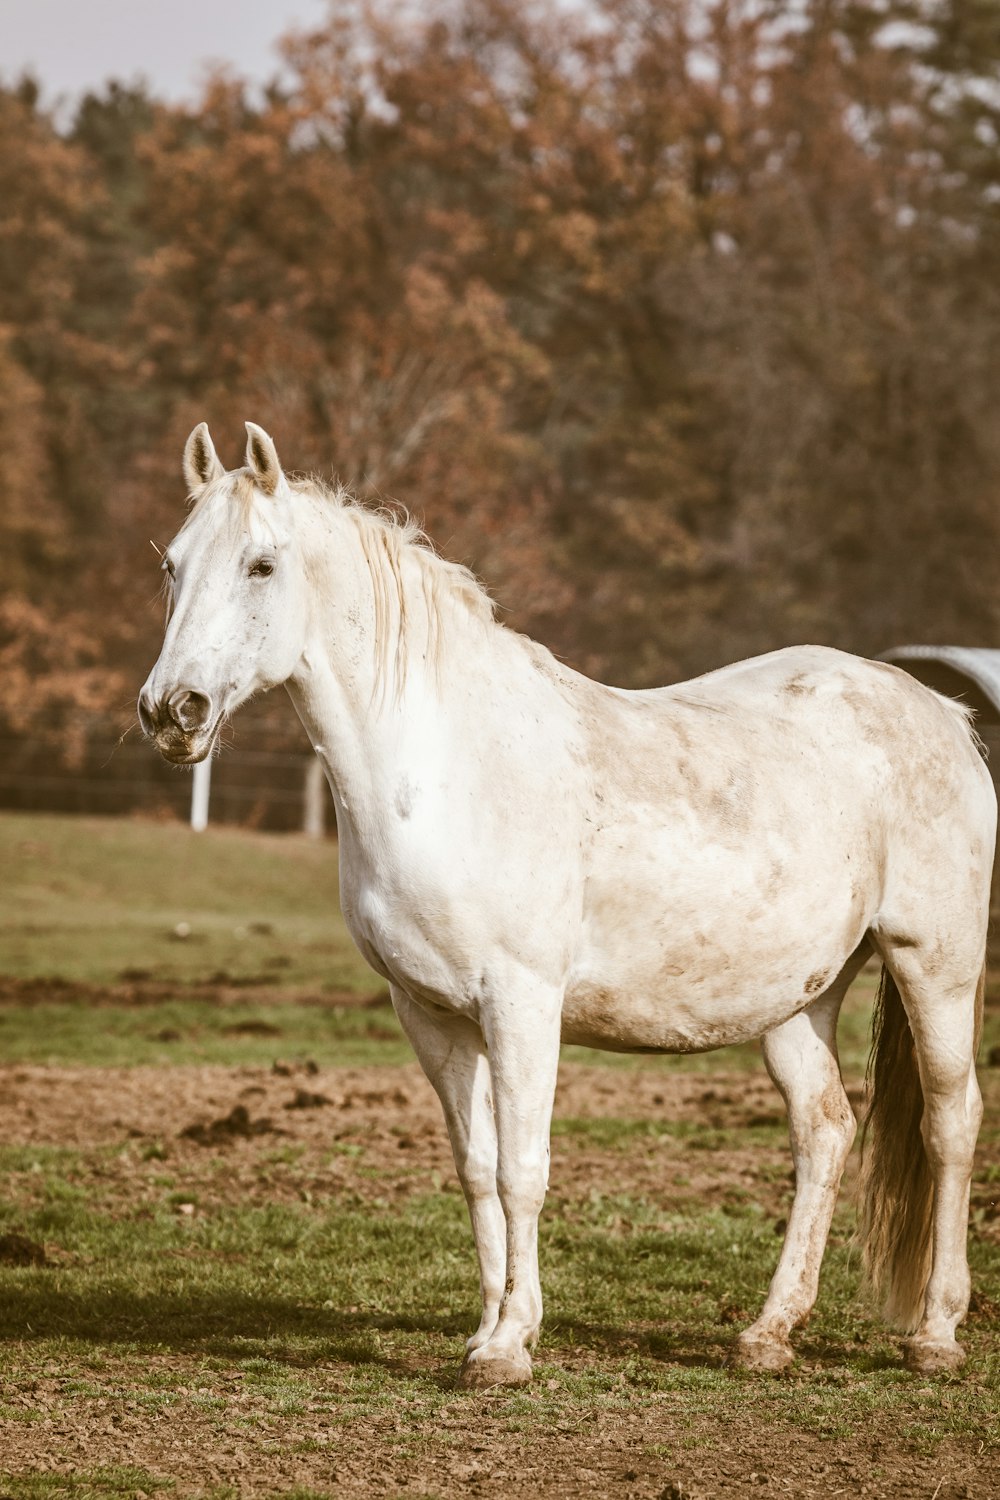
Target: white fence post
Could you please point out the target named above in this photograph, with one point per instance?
(200, 787)
(313, 800)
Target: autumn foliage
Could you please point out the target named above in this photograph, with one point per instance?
(678, 323)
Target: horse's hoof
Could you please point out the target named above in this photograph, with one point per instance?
(933, 1359)
(761, 1354)
(480, 1371)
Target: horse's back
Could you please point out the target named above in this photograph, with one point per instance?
(829, 756)
(873, 725)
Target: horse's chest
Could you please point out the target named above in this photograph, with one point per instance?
(395, 939)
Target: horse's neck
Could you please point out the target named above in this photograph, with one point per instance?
(373, 713)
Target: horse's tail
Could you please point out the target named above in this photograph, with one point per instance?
(896, 1189)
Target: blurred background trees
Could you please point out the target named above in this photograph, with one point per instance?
(677, 322)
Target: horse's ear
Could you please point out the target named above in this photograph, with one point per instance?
(201, 462)
(262, 459)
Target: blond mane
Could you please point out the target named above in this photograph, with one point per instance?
(388, 538)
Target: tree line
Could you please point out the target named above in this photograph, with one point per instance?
(677, 322)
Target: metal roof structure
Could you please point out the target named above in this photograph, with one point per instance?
(968, 672)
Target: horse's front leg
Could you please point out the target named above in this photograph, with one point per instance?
(451, 1053)
(522, 1038)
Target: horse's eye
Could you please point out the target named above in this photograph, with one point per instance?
(168, 566)
(263, 568)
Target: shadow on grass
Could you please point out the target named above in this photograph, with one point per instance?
(711, 1349)
(239, 1326)
(661, 1344)
(223, 1324)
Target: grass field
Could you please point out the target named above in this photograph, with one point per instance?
(280, 1310)
(101, 899)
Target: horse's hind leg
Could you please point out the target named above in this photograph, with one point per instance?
(923, 1122)
(451, 1053)
(953, 1110)
(801, 1057)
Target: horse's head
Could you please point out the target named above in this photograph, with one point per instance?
(237, 623)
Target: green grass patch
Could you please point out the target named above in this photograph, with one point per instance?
(90, 1484)
(187, 1031)
(89, 899)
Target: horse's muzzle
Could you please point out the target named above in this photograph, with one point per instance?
(177, 723)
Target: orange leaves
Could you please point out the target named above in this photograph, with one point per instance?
(52, 674)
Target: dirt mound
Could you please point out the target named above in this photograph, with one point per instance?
(303, 1099)
(237, 1125)
(18, 1250)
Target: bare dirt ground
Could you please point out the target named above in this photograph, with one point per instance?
(392, 1112)
(196, 1112)
(607, 1455)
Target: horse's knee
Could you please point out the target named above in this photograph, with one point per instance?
(522, 1191)
(478, 1174)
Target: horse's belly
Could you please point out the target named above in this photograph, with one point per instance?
(704, 957)
(626, 1021)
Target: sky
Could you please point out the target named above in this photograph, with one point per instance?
(75, 45)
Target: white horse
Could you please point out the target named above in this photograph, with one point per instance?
(528, 856)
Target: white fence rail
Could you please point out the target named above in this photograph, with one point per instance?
(279, 788)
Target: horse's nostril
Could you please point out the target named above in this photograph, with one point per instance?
(189, 709)
(147, 716)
